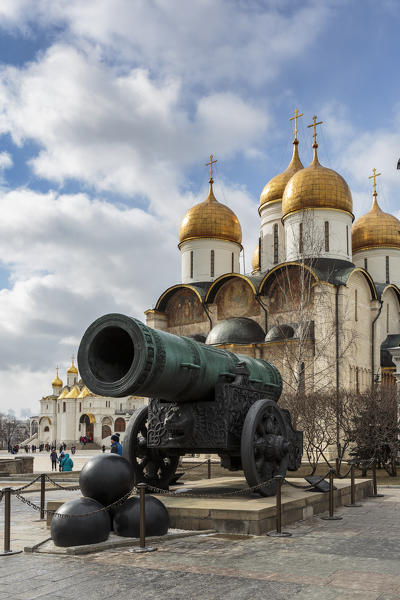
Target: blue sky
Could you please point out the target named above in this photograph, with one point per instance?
(108, 112)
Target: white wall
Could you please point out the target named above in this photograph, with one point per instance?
(201, 249)
(271, 214)
(376, 258)
(314, 234)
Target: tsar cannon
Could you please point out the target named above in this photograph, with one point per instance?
(202, 399)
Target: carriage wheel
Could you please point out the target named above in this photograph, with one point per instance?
(150, 465)
(264, 445)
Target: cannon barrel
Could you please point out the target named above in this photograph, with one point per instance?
(119, 356)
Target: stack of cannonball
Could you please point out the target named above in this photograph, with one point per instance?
(103, 480)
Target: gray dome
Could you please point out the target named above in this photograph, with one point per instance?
(238, 330)
(279, 332)
(197, 337)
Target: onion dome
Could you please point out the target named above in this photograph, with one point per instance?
(72, 368)
(316, 187)
(255, 261)
(210, 219)
(376, 229)
(57, 381)
(273, 190)
(237, 330)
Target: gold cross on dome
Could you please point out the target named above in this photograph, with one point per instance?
(57, 367)
(210, 164)
(296, 116)
(315, 127)
(374, 176)
(73, 357)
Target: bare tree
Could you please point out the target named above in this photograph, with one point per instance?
(12, 430)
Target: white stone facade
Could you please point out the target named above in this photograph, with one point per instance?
(383, 264)
(206, 259)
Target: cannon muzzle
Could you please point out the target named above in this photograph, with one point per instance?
(120, 356)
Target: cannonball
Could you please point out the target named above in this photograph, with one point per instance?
(127, 517)
(106, 478)
(92, 529)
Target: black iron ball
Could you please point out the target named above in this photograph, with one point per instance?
(106, 478)
(79, 531)
(127, 518)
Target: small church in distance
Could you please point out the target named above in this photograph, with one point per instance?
(322, 299)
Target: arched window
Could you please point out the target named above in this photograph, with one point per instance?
(347, 239)
(276, 244)
(119, 424)
(356, 305)
(387, 318)
(326, 236)
(387, 270)
(233, 263)
(301, 238)
(191, 263)
(366, 264)
(46, 428)
(212, 263)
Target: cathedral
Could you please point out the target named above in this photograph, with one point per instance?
(322, 299)
(72, 412)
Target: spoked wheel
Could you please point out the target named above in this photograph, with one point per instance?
(264, 445)
(150, 465)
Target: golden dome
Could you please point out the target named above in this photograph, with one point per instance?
(316, 187)
(72, 368)
(57, 381)
(255, 261)
(210, 219)
(273, 190)
(376, 229)
(63, 394)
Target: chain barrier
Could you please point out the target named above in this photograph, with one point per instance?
(25, 487)
(63, 516)
(72, 488)
(189, 495)
(195, 466)
(343, 476)
(306, 487)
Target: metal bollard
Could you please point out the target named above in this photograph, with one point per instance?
(142, 544)
(279, 532)
(353, 503)
(331, 516)
(209, 468)
(42, 495)
(7, 524)
(374, 484)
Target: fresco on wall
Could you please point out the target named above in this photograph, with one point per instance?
(184, 308)
(288, 290)
(236, 299)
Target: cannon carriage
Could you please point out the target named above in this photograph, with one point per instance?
(201, 400)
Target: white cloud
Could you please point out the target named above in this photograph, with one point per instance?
(5, 161)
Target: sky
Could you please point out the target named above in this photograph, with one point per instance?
(109, 110)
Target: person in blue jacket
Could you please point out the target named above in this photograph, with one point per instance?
(66, 463)
(116, 447)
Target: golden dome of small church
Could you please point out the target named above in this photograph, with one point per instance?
(322, 299)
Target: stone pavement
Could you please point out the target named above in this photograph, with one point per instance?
(358, 557)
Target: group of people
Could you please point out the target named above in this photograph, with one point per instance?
(63, 462)
(85, 439)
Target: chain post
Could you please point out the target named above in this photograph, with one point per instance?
(337, 462)
(209, 468)
(331, 516)
(279, 533)
(374, 483)
(42, 495)
(7, 524)
(353, 503)
(142, 544)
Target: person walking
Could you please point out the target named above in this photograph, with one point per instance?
(67, 463)
(116, 447)
(60, 460)
(53, 458)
